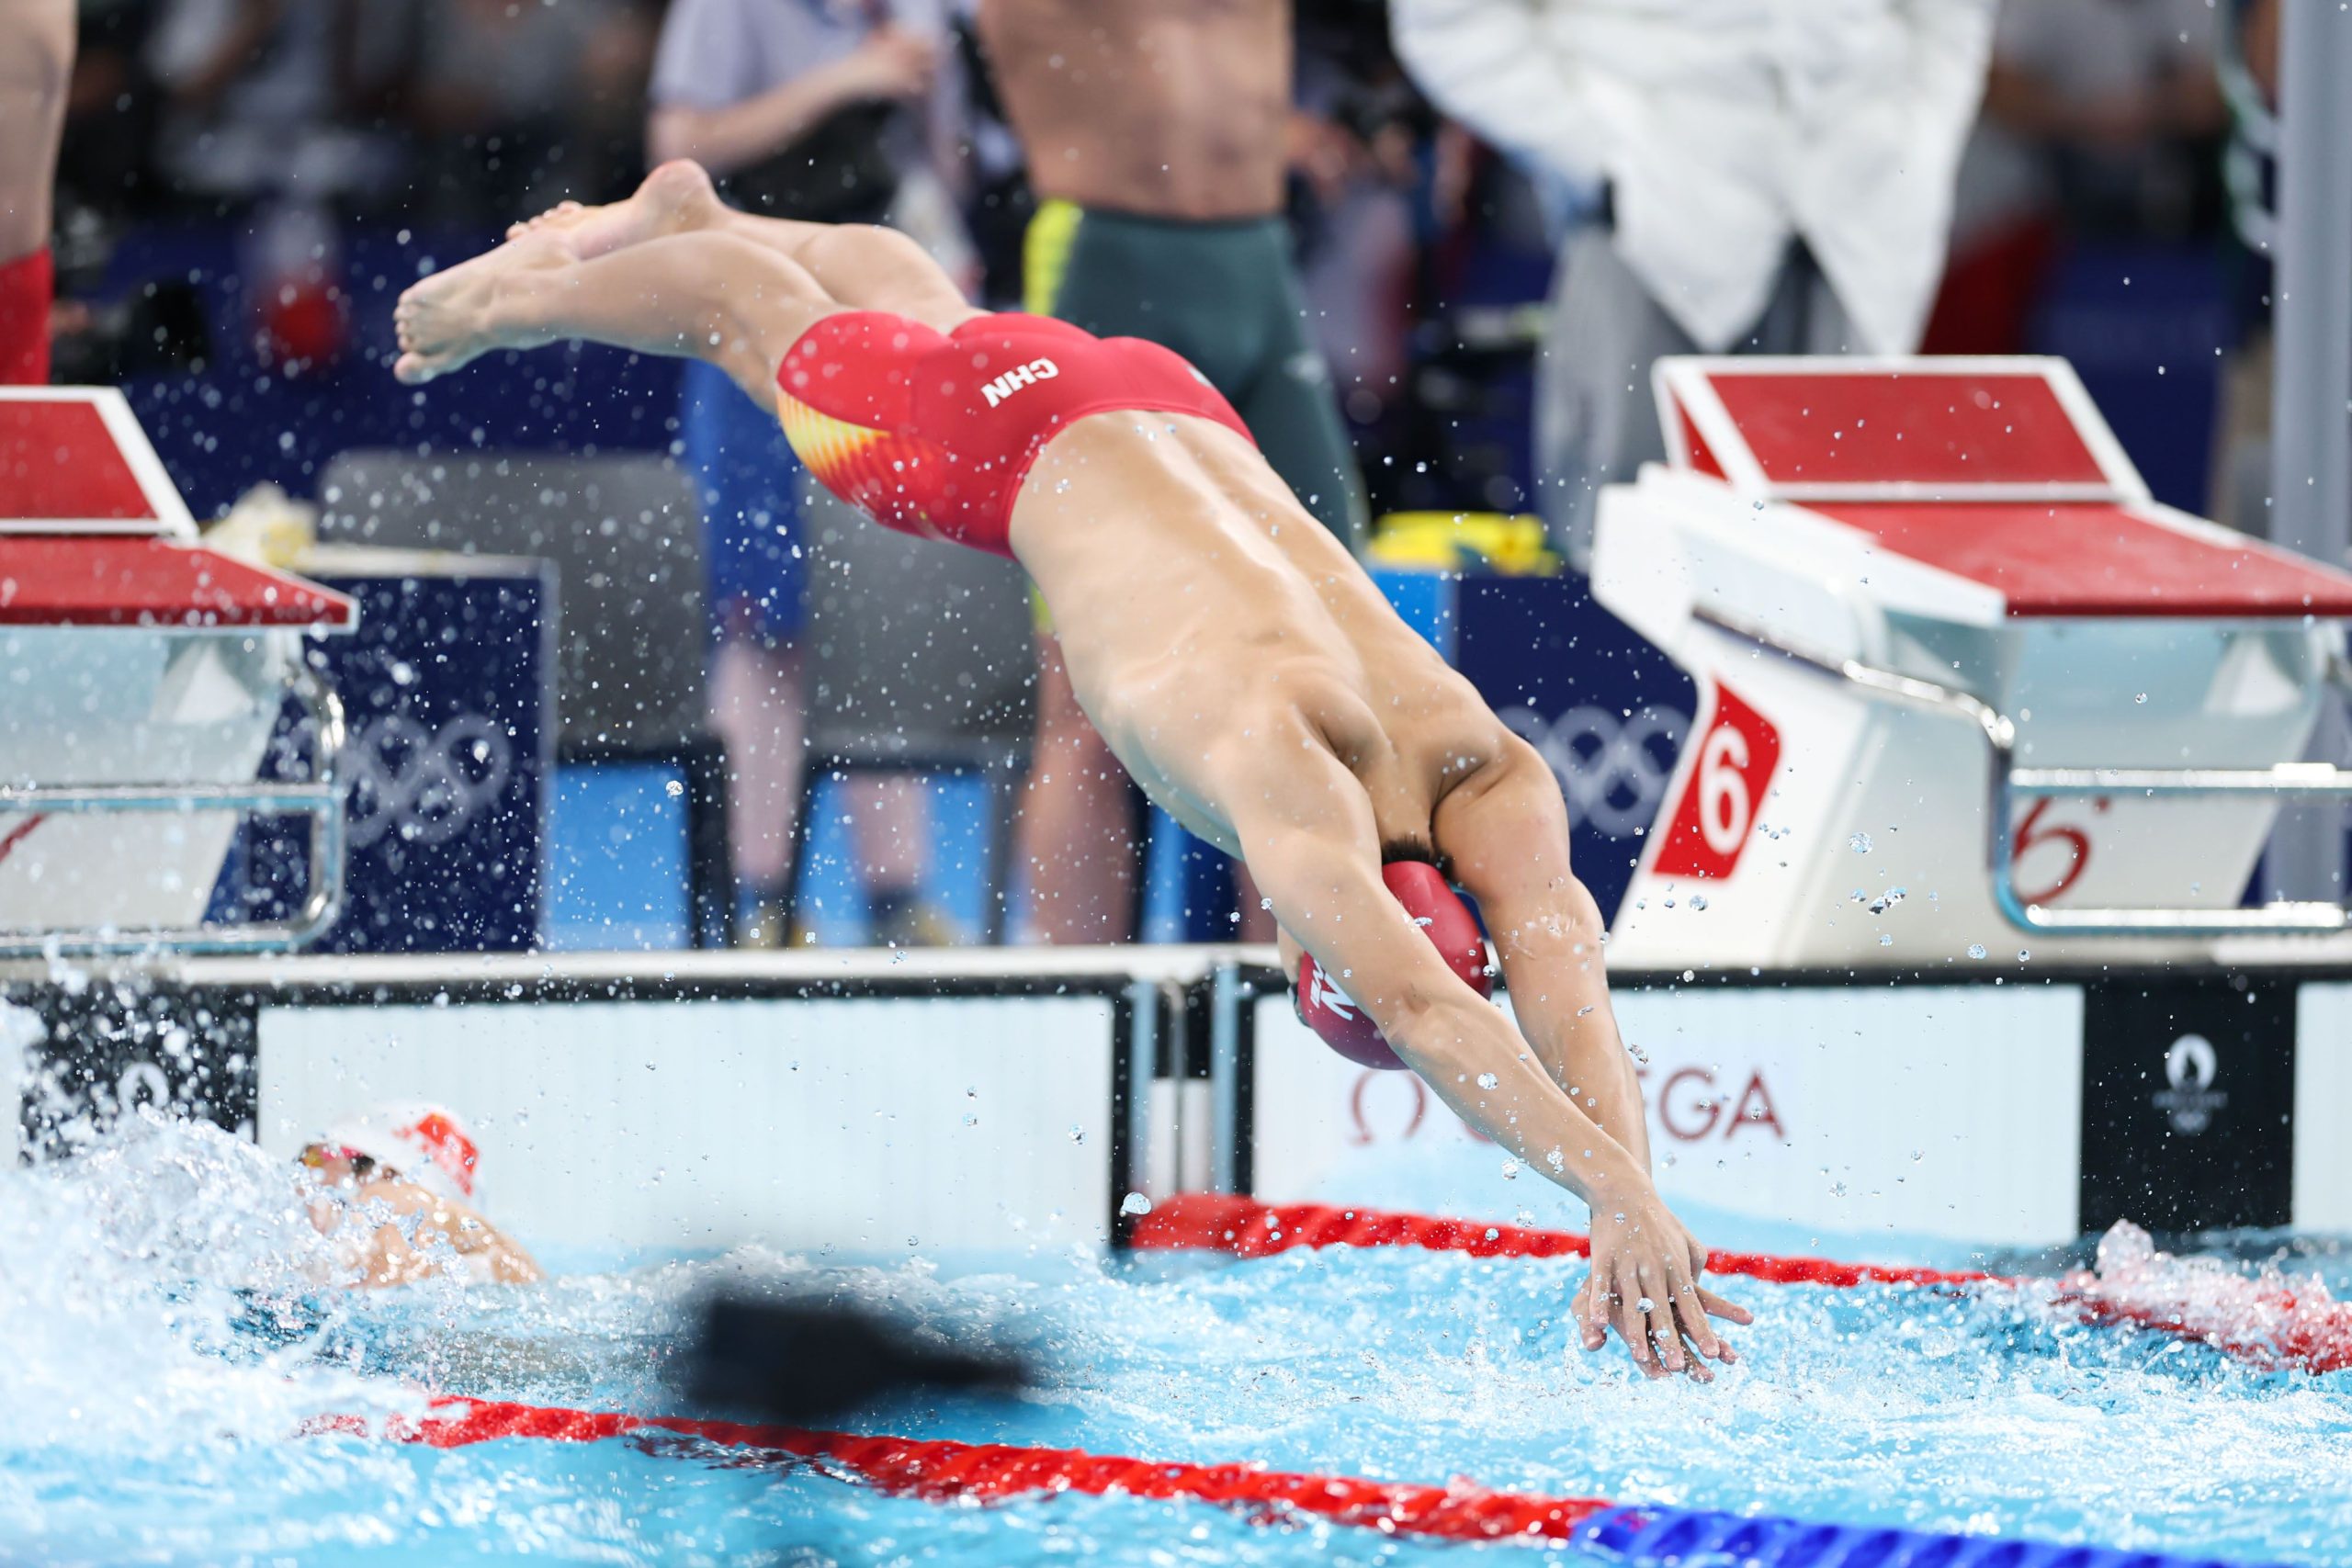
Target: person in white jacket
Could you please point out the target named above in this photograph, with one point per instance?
(1749, 177)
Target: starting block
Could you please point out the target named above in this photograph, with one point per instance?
(144, 677)
(1961, 680)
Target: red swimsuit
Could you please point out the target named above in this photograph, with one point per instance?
(933, 432)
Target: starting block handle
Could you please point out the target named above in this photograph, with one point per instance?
(321, 800)
(2285, 779)
(2306, 781)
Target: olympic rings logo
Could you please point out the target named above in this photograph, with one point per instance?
(1614, 771)
(427, 786)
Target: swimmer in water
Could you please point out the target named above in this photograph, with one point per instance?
(1237, 661)
(396, 1187)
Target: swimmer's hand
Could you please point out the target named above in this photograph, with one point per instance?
(1645, 1283)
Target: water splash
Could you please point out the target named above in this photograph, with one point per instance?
(130, 1277)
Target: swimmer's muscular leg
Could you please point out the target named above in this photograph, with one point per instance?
(709, 296)
(861, 264)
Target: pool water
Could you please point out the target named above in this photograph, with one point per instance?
(165, 1342)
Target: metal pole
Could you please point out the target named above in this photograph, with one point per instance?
(2310, 450)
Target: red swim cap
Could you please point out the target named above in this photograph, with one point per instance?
(1422, 888)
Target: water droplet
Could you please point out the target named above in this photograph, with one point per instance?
(1488, 1080)
(1644, 1303)
(1698, 900)
(1510, 1170)
(2140, 698)
(1884, 939)
(1586, 1009)
(674, 788)
(1077, 1133)
(1975, 950)
(1135, 1203)
(2023, 954)
(1859, 843)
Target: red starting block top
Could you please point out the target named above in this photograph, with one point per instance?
(57, 580)
(73, 460)
(93, 533)
(2099, 558)
(1998, 470)
(1945, 429)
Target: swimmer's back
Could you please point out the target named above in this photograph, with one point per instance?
(1249, 613)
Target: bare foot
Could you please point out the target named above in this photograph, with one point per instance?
(454, 317)
(675, 198)
(562, 215)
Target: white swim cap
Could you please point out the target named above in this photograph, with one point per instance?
(418, 1142)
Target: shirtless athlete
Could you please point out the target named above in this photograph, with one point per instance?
(1155, 139)
(36, 58)
(1237, 661)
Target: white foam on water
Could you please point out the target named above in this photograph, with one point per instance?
(122, 1271)
(2210, 1298)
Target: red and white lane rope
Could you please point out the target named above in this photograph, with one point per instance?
(937, 1470)
(2268, 1326)
(1247, 1228)
(1640, 1536)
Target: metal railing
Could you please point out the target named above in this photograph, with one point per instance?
(320, 798)
(2284, 781)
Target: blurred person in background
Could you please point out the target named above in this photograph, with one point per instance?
(1769, 176)
(396, 1187)
(36, 64)
(2247, 72)
(257, 100)
(827, 111)
(1377, 190)
(1158, 140)
(103, 167)
(259, 118)
(2099, 119)
(514, 106)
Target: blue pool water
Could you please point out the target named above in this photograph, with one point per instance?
(152, 1419)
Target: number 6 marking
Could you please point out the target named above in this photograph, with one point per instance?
(1730, 779)
(2030, 835)
(1724, 808)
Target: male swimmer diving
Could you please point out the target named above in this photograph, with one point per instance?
(1239, 661)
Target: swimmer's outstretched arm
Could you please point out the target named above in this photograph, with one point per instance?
(1505, 830)
(1307, 834)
